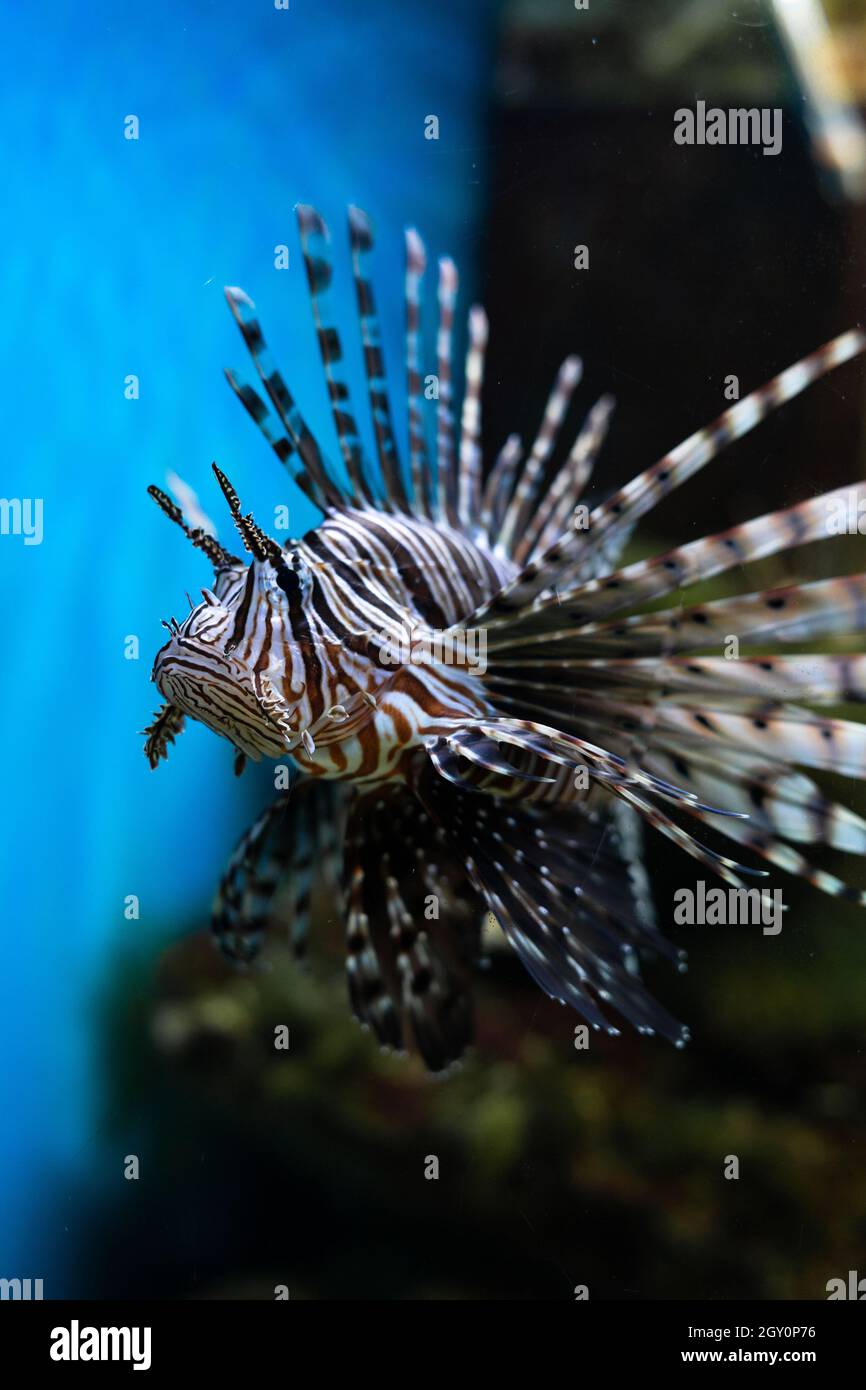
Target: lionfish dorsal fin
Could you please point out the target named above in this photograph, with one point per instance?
(275, 435)
(419, 458)
(555, 509)
(469, 477)
(315, 245)
(498, 487)
(361, 244)
(581, 554)
(526, 494)
(321, 486)
(758, 539)
(446, 486)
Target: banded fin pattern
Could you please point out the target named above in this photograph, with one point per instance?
(572, 557)
(419, 458)
(315, 243)
(288, 850)
(361, 242)
(558, 891)
(408, 967)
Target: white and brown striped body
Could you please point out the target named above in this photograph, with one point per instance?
(264, 667)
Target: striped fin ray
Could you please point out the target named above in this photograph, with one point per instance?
(408, 976)
(557, 749)
(326, 491)
(499, 485)
(298, 891)
(784, 856)
(792, 613)
(469, 482)
(279, 441)
(575, 963)
(446, 485)
(483, 751)
(525, 499)
(562, 896)
(361, 242)
(727, 869)
(371, 990)
(783, 805)
(419, 458)
(749, 681)
(764, 799)
(625, 507)
(702, 559)
(241, 906)
(317, 862)
(315, 244)
(502, 779)
(834, 745)
(574, 710)
(287, 847)
(551, 518)
(645, 491)
(779, 734)
(838, 827)
(778, 799)
(450, 755)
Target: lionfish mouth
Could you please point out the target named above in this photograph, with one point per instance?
(218, 691)
(207, 684)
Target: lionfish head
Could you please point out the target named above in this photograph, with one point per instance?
(228, 664)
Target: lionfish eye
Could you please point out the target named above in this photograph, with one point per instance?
(302, 572)
(206, 623)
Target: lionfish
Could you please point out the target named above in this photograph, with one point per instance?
(429, 793)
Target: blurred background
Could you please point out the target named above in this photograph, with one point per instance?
(122, 1037)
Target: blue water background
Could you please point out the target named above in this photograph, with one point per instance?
(115, 253)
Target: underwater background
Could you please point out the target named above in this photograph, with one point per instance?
(129, 1036)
